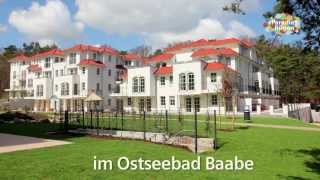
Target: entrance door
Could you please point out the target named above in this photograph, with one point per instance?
(188, 104)
(149, 104)
(197, 104)
(141, 105)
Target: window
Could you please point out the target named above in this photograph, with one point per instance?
(162, 100)
(47, 62)
(30, 82)
(57, 73)
(213, 77)
(256, 85)
(61, 72)
(72, 58)
(109, 72)
(109, 102)
(83, 70)
(83, 86)
(182, 79)
(109, 58)
(75, 89)
(98, 71)
(64, 89)
(135, 85)
(188, 104)
(56, 87)
(228, 61)
(61, 59)
(171, 79)
(191, 81)
(39, 91)
(162, 80)
(94, 56)
(141, 105)
(214, 100)
(109, 87)
(56, 59)
(172, 100)
(14, 74)
(138, 84)
(67, 89)
(129, 101)
(98, 86)
(47, 74)
(142, 84)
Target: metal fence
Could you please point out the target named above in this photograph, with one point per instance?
(172, 124)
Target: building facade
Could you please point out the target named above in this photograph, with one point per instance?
(61, 80)
(203, 75)
(192, 77)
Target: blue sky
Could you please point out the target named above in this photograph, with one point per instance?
(125, 25)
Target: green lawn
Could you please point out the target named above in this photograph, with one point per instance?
(277, 154)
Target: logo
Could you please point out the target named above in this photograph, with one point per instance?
(282, 24)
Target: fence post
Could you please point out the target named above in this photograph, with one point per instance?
(167, 126)
(215, 141)
(66, 121)
(122, 120)
(195, 131)
(83, 116)
(97, 122)
(144, 125)
(91, 125)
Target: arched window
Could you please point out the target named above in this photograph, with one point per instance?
(182, 81)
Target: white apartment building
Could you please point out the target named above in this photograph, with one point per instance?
(188, 77)
(61, 80)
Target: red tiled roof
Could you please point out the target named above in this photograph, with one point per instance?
(93, 62)
(34, 68)
(53, 52)
(214, 66)
(204, 42)
(161, 57)
(132, 57)
(103, 49)
(210, 51)
(163, 70)
(21, 57)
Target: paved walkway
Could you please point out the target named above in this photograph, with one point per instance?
(10, 143)
(275, 126)
(269, 126)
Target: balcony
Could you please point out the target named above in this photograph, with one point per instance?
(119, 91)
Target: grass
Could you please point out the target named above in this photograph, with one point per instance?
(277, 154)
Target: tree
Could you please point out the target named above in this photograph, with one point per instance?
(157, 52)
(142, 50)
(234, 7)
(296, 68)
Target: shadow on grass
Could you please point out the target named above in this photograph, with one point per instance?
(313, 164)
(39, 130)
(292, 177)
